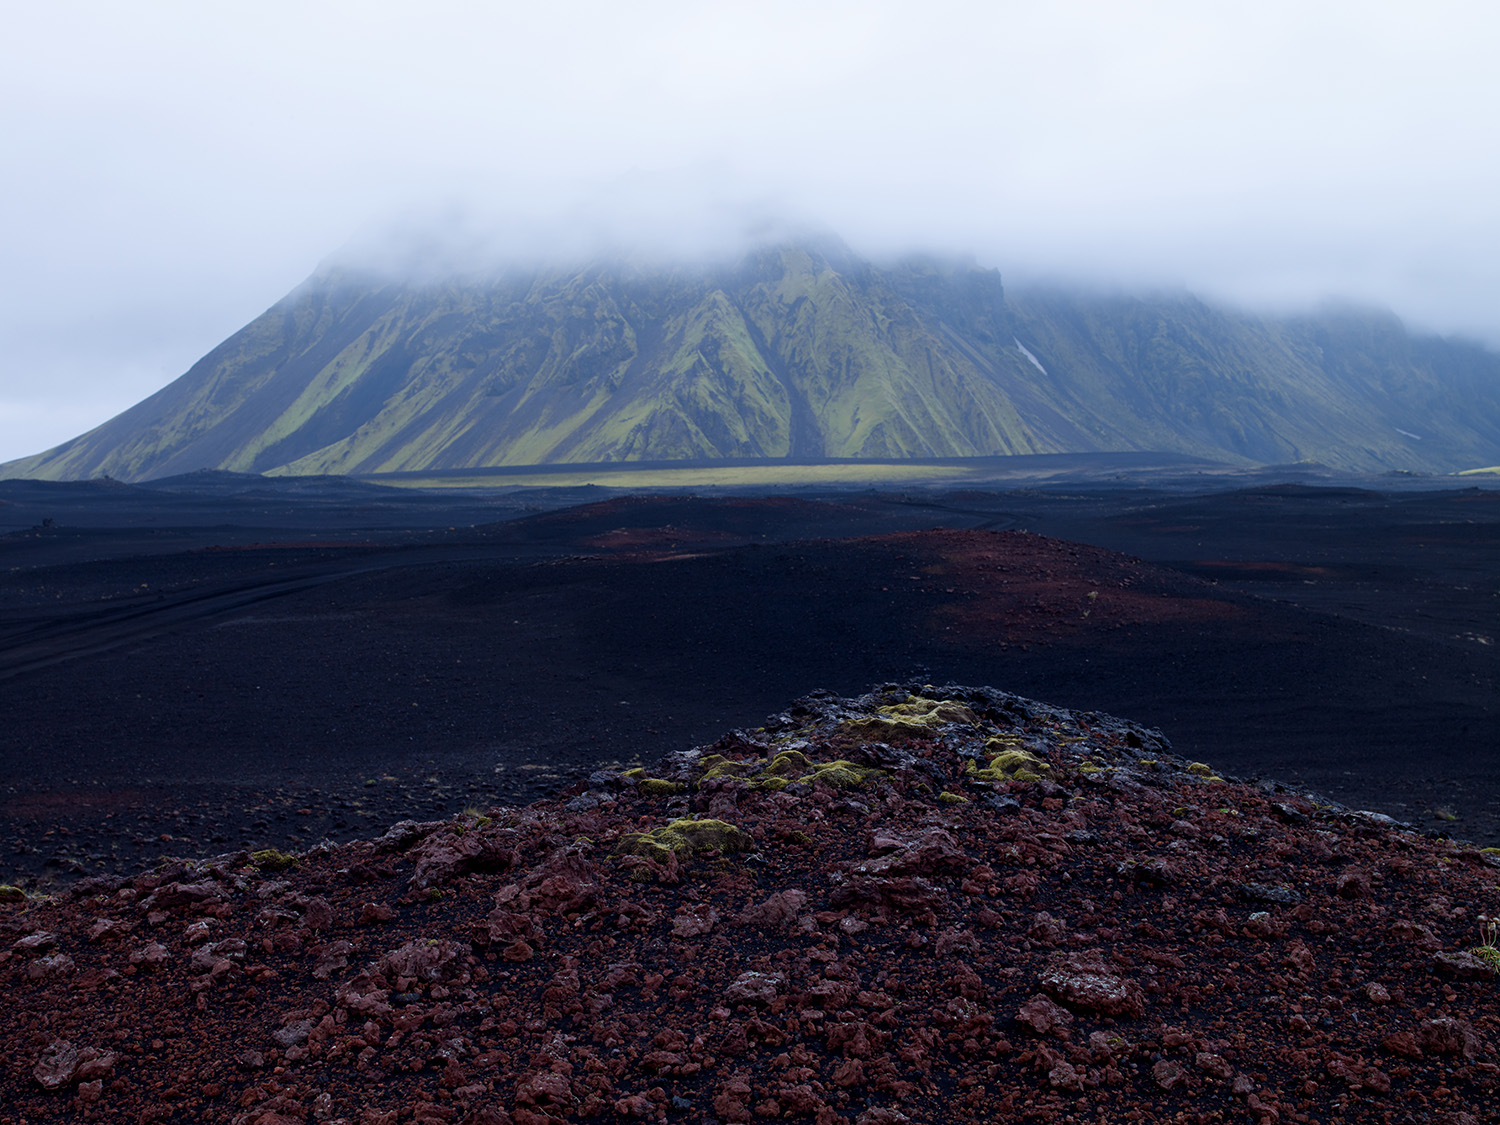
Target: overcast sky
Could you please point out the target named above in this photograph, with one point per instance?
(170, 170)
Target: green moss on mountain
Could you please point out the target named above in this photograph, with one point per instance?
(800, 351)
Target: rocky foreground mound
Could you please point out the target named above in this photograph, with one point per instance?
(929, 905)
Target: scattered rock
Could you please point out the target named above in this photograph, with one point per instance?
(432, 959)
(1448, 1036)
(62, 1064)
(754, 988)
(1354, 884)
(1464, 966)
(293, 1034)
(374, 913)
(1260, 892)
(1167, 1074)
(779, 909)
(1085, 984)
(694, 920)
(1043, 1017)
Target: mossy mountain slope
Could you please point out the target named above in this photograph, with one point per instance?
(797, 351)
(1350, 388)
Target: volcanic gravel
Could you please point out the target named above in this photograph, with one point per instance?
(927, 904)
(267, 692)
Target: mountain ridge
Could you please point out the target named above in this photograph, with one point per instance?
(799, 350)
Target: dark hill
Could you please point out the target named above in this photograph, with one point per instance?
(925, 905)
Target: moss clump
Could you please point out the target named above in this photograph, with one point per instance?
(648, 786)
(948, 798)
(1017, 759)
(684, 837)
(272, 859)
(884, 728)
(789, 764)
(1010, 765)
(842, 775)
(931, 712)
(793, 765)
(916, 718)
(720, 766)
(657, 787)
(1203, 769)
(10, 893)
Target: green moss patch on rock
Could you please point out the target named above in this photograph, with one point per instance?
(793, 765)
(1010, 765)
(932, 712)
(842, 774)
(789, 764)
(684, 837)
(658, 787)
(719, 766)
(272, 859)
(916, 718)
(648, 786)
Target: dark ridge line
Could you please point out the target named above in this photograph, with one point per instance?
(1122, 459)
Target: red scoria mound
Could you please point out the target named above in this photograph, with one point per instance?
(928, 905)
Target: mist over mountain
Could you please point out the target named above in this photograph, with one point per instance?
(798, 350)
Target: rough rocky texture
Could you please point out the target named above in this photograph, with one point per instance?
(1126, 936)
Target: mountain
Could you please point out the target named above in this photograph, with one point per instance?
(801, 351)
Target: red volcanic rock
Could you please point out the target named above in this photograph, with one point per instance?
(373, 913)
(454, 849)
(930, 852)
(1448, 1036)
(1121, 936)
(431, 959)
(62, 1064)
(1043, 1017)
(781, 907)
(1083, 983)
(753, 988)
(693, 921)
(1167, 1074)
(1463, 965)
(1354, 884)
(39, 942)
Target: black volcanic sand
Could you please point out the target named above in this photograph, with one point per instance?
(274, 686)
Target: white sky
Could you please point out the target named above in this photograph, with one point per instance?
(168, 170)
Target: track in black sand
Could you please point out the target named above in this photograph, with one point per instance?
(269, 693)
